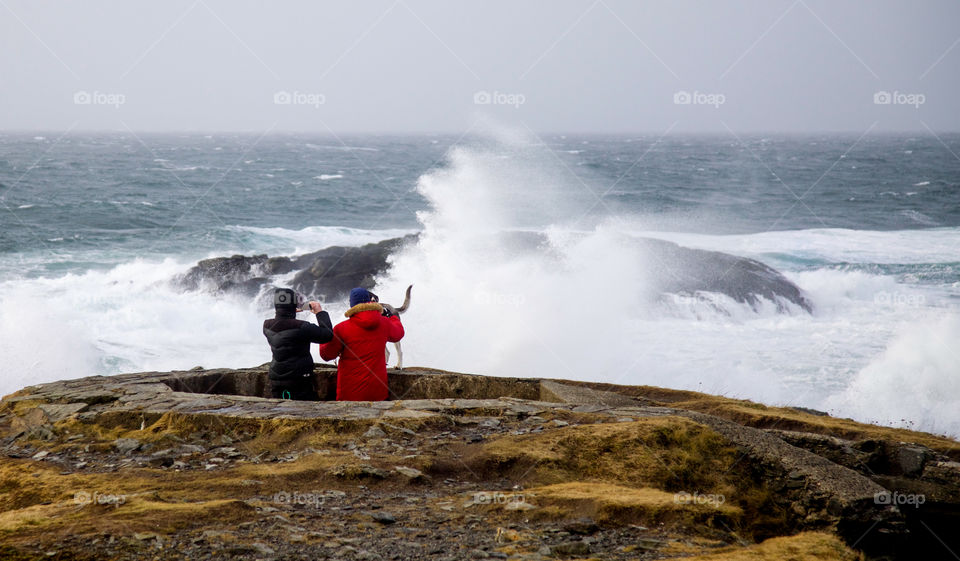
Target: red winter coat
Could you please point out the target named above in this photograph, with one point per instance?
(360, 342)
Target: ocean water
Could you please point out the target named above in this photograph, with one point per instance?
(95, 228)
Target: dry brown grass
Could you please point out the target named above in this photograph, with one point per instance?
(783, 418)
(669, 453)
(642, 460)
(808, 546)
(36, 499)
(617, 505)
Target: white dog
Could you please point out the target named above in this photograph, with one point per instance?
(398, 311)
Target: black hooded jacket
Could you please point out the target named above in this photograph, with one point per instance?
(290, 340)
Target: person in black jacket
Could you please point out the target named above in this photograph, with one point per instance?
(291, 371)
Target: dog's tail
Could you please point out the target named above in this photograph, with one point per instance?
(406, 301)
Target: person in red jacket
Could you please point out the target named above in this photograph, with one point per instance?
(360, 342)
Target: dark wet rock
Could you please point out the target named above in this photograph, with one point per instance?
(681, 270)
(226, 273)
(330, 273)
(911, 459)
(327, 274)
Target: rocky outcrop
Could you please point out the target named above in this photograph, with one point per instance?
(327, 274)
(681, 270)
(330, 273)
(507, 466)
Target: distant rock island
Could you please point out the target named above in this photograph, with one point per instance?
(330, 273)
(200, 465)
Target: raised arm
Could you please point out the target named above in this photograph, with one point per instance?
(320, 333)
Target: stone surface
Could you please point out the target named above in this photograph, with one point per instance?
(374, 432)
(411, 473)
(126, 445)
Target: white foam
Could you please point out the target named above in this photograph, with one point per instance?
(127, 319)
(327, 177)
(913, 383)
(578, 308)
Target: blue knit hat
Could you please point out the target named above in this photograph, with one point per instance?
(359, 296)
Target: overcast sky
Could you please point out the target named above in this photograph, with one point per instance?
(396, 66)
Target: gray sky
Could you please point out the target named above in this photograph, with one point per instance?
(417, 66)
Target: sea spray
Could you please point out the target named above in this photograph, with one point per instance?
(129, 318)
(571, 303)
(577, 302)
(913, 383)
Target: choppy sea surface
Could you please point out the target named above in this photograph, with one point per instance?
(95, 228)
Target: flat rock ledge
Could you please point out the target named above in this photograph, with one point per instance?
(152, 394)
